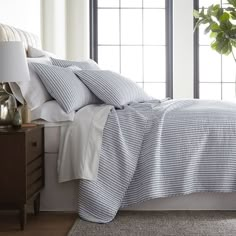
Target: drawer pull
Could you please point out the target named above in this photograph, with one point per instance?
(34, 144)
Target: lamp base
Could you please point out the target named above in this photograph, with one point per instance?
(7, 107)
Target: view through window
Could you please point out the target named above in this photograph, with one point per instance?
(131, 40)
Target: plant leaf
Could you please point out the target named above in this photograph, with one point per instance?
(232, 2)
(233, 43)
(224, 17)
(198, 23)
(225, 26)
(209, 10)
(232, 34)
(233, 15)
(196, 13)
(215, 27)
(213, 35)
(230, 9)
(207, 30)
(219, 13)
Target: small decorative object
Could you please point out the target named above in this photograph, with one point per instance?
(17, 121)
(13, 68)
(221, 25)
(25, 114)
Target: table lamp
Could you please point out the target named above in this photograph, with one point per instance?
(13, 68)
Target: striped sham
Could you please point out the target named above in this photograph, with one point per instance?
(111, 87)
(84, 65)
(65, 87)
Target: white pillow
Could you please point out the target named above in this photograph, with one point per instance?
(52, 112)
(32, 91)
(34, 53)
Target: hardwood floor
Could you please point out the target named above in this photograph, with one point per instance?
(45, 224)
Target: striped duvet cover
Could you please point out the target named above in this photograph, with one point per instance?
(153, 150)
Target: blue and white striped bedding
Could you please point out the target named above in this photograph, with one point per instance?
(153, 150)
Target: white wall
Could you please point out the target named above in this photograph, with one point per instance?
(183, 49)
(23, 14)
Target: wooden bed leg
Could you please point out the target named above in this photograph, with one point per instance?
(37, 205)
(23, 216)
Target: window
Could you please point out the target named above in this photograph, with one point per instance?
(134, 38)
(214, 76)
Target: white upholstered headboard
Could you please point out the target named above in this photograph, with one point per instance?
(8, 33)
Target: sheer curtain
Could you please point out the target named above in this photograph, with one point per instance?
(65, 28)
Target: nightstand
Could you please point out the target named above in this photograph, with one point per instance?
(21, 169)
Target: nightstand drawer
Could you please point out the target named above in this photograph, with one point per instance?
(34, 188)
(34, 165)
(34, 144)
(34, 177)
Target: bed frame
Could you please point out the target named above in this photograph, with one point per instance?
(63, 197)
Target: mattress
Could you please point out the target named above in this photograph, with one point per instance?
(55, 196)
(51, 139)
(51, 135)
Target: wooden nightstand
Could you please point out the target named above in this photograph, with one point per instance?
(21, 168)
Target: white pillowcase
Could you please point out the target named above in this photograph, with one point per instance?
(32, 91)
(52, 112)
(34, 52)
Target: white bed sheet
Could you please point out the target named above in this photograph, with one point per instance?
(81, 142)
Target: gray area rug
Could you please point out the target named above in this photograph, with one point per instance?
(181, 223)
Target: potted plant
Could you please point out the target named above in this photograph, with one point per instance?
(220, 25)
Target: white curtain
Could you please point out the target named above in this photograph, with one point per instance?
(65, 28)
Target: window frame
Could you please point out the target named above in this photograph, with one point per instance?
(196, 54)
(93, 16)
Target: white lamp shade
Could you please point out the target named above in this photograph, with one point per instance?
(13, 63)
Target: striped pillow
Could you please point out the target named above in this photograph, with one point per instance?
(84, 65)
(112, 88)
(64, 86)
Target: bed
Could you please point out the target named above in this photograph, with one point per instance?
(64, 196)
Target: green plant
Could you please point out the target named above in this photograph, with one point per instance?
(221, 25)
